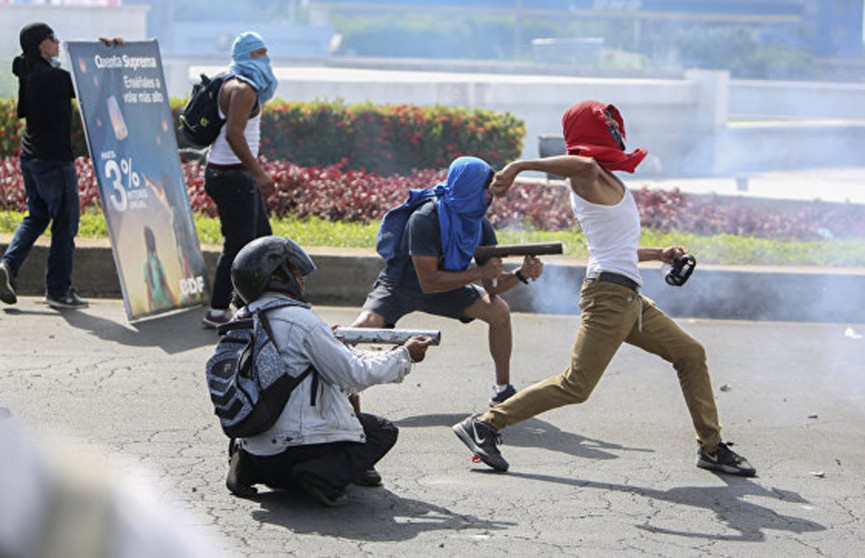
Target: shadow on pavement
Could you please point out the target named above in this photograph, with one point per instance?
(729, 503)
(532, 433)
(372, 514)
(173, 333)
(20, 312)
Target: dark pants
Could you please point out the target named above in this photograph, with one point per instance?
(242, 218)
(333, 465)
(52, 197)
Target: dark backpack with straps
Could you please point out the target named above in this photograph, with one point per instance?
(200, 122)
(394, 221)
(246, 376)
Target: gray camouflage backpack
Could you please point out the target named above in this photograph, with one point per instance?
(248, 383)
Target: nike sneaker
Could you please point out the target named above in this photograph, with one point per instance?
(725, 460)
(482, 439)
(500, 396)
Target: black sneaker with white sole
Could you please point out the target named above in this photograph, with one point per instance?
(68, 301)
(482, 439)
(501, 396)
(7, 288)
(725, 460)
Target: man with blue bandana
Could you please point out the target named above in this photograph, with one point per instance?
(234, 179)
(431, 269)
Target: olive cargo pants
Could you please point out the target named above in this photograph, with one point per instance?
(612, 314)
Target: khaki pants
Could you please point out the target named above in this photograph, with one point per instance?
(610, 315)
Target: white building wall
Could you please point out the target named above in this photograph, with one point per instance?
(659, 114)
(71, 23)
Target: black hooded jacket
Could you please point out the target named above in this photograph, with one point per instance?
(45, 96)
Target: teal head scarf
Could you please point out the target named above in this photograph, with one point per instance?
(255, 71)
(461, 208)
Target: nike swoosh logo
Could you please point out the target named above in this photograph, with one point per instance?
(478, 440)
(711, 458)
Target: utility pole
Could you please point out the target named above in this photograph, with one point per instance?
(518, 29)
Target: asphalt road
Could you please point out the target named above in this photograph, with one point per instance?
(612, 477)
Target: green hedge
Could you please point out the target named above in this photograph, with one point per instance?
(10, 127)
(384, 139)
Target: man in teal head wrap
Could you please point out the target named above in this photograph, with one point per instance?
(431, 271)
(462, 204)
(429, 267)
(233, 177)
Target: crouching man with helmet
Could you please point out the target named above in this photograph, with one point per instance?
(318, 442)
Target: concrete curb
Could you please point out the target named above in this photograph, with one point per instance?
(344, 277)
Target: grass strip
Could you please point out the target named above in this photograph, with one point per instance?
(723, 249)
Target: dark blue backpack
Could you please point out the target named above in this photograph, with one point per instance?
(394, 221)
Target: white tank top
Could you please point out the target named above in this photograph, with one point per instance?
(612, 234)
(221, 153)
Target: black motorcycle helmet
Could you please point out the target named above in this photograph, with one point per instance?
(267, 263)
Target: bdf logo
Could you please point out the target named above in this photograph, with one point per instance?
(192, 285)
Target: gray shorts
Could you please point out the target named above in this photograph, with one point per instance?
(392, 302)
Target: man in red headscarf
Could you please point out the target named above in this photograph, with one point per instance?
(612, 309)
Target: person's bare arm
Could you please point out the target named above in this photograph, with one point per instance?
(531, 269)
(586, 177)
(239, 99)
(435, 280)
(581, 170)
(666, 255)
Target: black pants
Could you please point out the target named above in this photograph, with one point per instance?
(332, 465)
(242, 218)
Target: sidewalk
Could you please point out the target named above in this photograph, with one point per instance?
(831, 185)
(717, 292)
(840, 185)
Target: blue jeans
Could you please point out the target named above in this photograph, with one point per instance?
(52, 197)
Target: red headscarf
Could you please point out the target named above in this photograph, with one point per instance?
(585, 130)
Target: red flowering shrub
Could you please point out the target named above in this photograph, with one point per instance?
(12, 196)
(331, 193)
(667, 211)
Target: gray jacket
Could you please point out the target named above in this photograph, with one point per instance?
(318, 410)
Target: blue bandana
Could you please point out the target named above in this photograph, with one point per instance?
(255, 71)
(461, 207)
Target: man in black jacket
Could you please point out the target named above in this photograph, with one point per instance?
(45, 96)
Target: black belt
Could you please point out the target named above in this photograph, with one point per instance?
(237, 166)
(616, 278)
